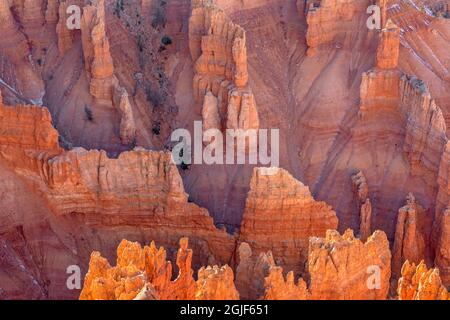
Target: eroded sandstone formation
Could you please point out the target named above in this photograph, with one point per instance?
(96, 50)
(442, 260)
(328, 20)
(218, 48)
(144, 274)
(135, 267)
(280, 215)
(362, 191)
(389, 48)
(252, 271)
(386, 92)
(420, 283)
(279, 288)
(127, 78)
(215, 283)
(96, 193)
(410, 242)
(343, 267)
(104, 85)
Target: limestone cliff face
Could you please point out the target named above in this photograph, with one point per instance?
(388, 93)
(420, 283)
(93, 193)
(90, 184)
(30, 129)
(441, 232)
(425, 138)
(343, 267)
(249, 64)
(280, 215)
(218, 49)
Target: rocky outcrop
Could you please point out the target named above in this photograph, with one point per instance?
(251, 272)
(389, 95)
(441, 228)
(96, 50)
(90, 184)
(442, 260)
(280, 215)
(329, 20)
(98, 190)
(380, 86)
(218, 49)
(26, 127)
(144, 274)
(425, 138)
(389, 47)
(104, 85)
(361, 191)
(216, 283)
(136, 266)
(277, 288)
(420, 283)
(127, 123)
(409, 243)
(343, 267)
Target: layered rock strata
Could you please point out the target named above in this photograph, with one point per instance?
(329, 20)
(218, 49)
(343, 267)
(420, 283)
(144, 274)
(280, 215)
(410, 242)
(104, 85)
(386, 92)
(135, 267)
(216, 283)
(279, 288)
(97, 192)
